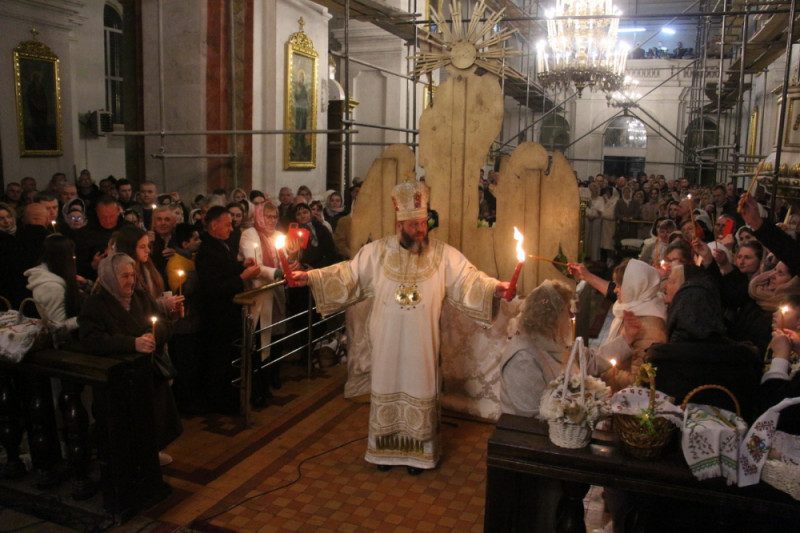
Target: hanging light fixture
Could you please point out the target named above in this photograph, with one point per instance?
(584, 51)
(627, 95)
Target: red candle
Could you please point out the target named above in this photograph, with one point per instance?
(512, 286)
(280, 245)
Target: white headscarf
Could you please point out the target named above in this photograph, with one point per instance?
(641, 294)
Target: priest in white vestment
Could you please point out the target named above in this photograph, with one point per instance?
(409, 276)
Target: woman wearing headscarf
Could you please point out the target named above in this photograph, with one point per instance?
(116, 320)
(334, 208)
(258, 242)
(638, 290)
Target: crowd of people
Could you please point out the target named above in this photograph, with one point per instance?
(714, 279)
(118, 270)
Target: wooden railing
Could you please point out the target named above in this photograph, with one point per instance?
(124, 432)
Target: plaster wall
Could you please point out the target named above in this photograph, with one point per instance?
(275, 22)
(74, 31)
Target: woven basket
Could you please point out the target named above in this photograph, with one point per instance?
(569, 435)
(782, 475)
(635, 440)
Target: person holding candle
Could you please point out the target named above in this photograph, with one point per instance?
(409, 276)
(221, 277)
(638, 291)
(182, 280)
(781, 380)
(258, 243)
(116, 320)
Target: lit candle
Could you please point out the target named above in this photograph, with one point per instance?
(180, 282)
(783, 312)
(154, 319)
(53, 222)
(512, 286)
(572, 323)
(613, 362)
(691, 209)
(154, 207)
(663, 264)
(280, 245)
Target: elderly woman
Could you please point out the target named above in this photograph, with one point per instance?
(638, 290)
(538, 350)
(116, 320)
(258, 242)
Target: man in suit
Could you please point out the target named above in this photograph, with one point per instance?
(221, 277)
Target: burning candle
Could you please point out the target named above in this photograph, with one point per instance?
(613, 362)
(663, 264)
(154, 207)
(691, 209)
(783, 312)
(512, 286)
(180, 282)
(154, 319)
(53, 223)
(280, 245)
(572, 323)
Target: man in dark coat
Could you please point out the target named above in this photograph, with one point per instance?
(91, 241)
(221, 278)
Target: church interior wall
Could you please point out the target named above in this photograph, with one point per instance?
(185, 96)
(287, 14)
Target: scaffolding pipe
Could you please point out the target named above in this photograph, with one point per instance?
(376, 126)
(347, 147)
(161, 111)
(226, 132)
(782, 118)
(193, 156)
(232, 97)
(737, 125)
(370, 65)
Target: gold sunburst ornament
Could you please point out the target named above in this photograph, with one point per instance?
(460, 46)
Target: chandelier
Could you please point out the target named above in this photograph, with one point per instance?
(627, 95)
(584, 51)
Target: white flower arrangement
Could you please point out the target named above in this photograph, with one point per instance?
(573, 408)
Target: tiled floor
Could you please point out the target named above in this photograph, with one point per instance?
(300, 467)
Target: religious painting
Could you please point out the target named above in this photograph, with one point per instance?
(300, 149)
(792, 135)
(38, 98)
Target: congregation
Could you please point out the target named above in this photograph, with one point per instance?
(118, 271)
(706, 251)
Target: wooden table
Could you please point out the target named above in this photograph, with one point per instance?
(522, 463)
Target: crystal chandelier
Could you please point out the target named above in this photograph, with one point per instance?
(582, 51)
(626, 96)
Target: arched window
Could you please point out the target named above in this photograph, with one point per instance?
(701, 166)
(554, 134)
(112, 29)
(625, 132)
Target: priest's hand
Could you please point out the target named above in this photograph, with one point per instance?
(299, 278)
(501, 289)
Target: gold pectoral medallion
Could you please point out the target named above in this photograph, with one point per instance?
(407, 295)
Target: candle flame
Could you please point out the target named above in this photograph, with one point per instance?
(154, 319)
(255, 245)
(520, 252)
(613, 362)
(180, 273)
(280, 241)
(663, 263)
(154, 206)
(784, 309)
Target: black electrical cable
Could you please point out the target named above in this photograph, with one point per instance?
(299, 476)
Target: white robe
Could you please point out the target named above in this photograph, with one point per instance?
(404, 339)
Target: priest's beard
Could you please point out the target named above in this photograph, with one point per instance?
(415, 243)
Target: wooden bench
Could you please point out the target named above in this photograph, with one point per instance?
(124, 433)
(521, 457)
